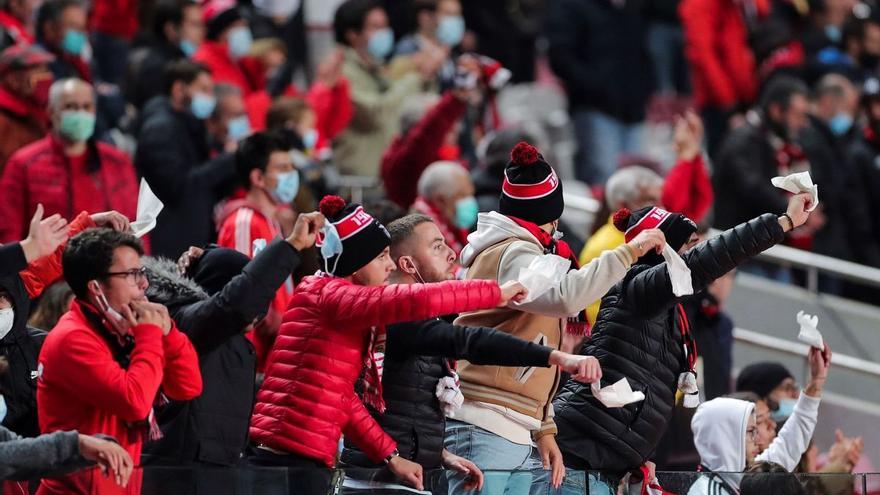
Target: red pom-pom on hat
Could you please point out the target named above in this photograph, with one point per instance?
(621, 219)
(330, 206)
(524, 154)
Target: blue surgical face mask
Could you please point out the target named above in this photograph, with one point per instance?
(466, 211)
(240, 41)
(74, 42)
(450, 30)
(840, 124)
(188, 48)
(833, 33)
(77, 125)
(786, 407)
(310, 139)
(238, 128)
(3, 409)
(331, 246)
(202, 105)
(287, 186)
(380, 44)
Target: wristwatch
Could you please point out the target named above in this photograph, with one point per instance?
(392, 455)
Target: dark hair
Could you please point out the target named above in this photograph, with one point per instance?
(383, 210)
(166, 11)
(284, 109)
(89, 255)
(855, 27)
(350, 16)
(183, 70)
(53, 303)
(780, 90)
(51, 11)
(746, 396)
(253, 153)
(769, 477)
(403, 228)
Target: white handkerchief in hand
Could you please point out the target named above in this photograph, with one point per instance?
(679, 273)
(798, 183)
(542, 274)
(617, 395)
(809, 333)
(148, 209)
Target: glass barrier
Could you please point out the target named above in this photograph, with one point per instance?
(289, 481)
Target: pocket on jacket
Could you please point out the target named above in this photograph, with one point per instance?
(522, 374)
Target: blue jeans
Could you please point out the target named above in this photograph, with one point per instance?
(496, 457)
(601, 139)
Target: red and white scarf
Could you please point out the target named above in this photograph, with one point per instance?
(374, 360)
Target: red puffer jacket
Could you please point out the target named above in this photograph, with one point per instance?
(307, 399)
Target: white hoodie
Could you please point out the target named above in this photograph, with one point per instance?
(719, 427)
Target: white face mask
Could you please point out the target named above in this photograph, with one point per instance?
(7, 318)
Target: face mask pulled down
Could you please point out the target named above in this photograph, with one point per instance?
(330, 245)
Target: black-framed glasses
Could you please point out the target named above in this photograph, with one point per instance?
(133, 276)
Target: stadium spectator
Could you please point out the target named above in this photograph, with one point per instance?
(62, 30)
(24, 95)
(864, 181)
(439, 25)
(113, 25)
(774, 384)
(17, 23)
(446, 195)
(228, 41)
(68, 171)
(173, 155)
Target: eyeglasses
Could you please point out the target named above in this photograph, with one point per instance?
(133, 276)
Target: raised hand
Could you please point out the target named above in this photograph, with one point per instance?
(306, 229)
(646, 241)
(44, 235)
(113, 220)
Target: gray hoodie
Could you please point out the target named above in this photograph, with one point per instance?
(46, 455)
(719, 427)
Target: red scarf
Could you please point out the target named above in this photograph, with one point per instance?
(871, 136)
(373, 396)
(577, 325)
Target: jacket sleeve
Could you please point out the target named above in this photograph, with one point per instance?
(688, 189)
(479, 345)
(246, 297)
(578, 288)
(650, 292)
(366, 433)
(698, 19)
(860, 235)
(13, 205)
(794, 437)
(563, 25)
(181, 377)
(333, 107)
(45, 455)
(363, 306)
(12, 259)
(87, 370)
(410, 155)
(47, 270)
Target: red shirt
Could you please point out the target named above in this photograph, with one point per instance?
(115, 17)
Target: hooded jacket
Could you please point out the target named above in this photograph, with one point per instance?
(720, 428)
(516, 401)
(637, 336)
(213, 427)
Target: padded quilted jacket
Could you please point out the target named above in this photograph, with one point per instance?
(307, 399)
(637, 336)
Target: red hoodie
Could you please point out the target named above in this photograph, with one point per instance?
(82, 387)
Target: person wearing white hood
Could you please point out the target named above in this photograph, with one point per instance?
(726, 434)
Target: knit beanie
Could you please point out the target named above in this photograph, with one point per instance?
(216, 267)
(363, 237)
(761, 378)
(219, 15)
(676, 227)
(531, 189)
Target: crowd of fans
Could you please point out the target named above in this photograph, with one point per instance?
(266, 321)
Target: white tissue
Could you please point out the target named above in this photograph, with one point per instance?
(799, 183)
(542, 274)
(679, 273)
(617, 395)
(148, 209)
(449, 395)
(809, 334)
(687, 385)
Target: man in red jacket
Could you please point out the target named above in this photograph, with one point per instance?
(334, 324)
(24, 91)
(227, 41)
(67, 171)
(111, 357)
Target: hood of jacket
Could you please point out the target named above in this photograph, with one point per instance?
(21, 305)
(492, 228)
(719, 427)
(168, 287)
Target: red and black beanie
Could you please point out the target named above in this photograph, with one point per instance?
(363, 237)
(531, 190)
(676, 227)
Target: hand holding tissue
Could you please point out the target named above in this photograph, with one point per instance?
(799, 183)
(148, 208)
(809, 334)
(616, 395)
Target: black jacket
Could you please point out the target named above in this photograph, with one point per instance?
(213, 428)
(600, 53)
(145, 74)
(863, 201)
(637, 337)
(173, 156)
(21, 348)
(414, 363)
(12, 259)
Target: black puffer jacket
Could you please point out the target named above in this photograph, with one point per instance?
(415, 356)
(212, 429)
(21, 348)
(637, 337)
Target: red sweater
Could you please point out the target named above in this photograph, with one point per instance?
(307, 399)
(410, 154)
(687, 189)
(81, 387)
(41, 173)
(115, 17)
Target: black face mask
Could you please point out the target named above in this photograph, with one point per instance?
(869, 61)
